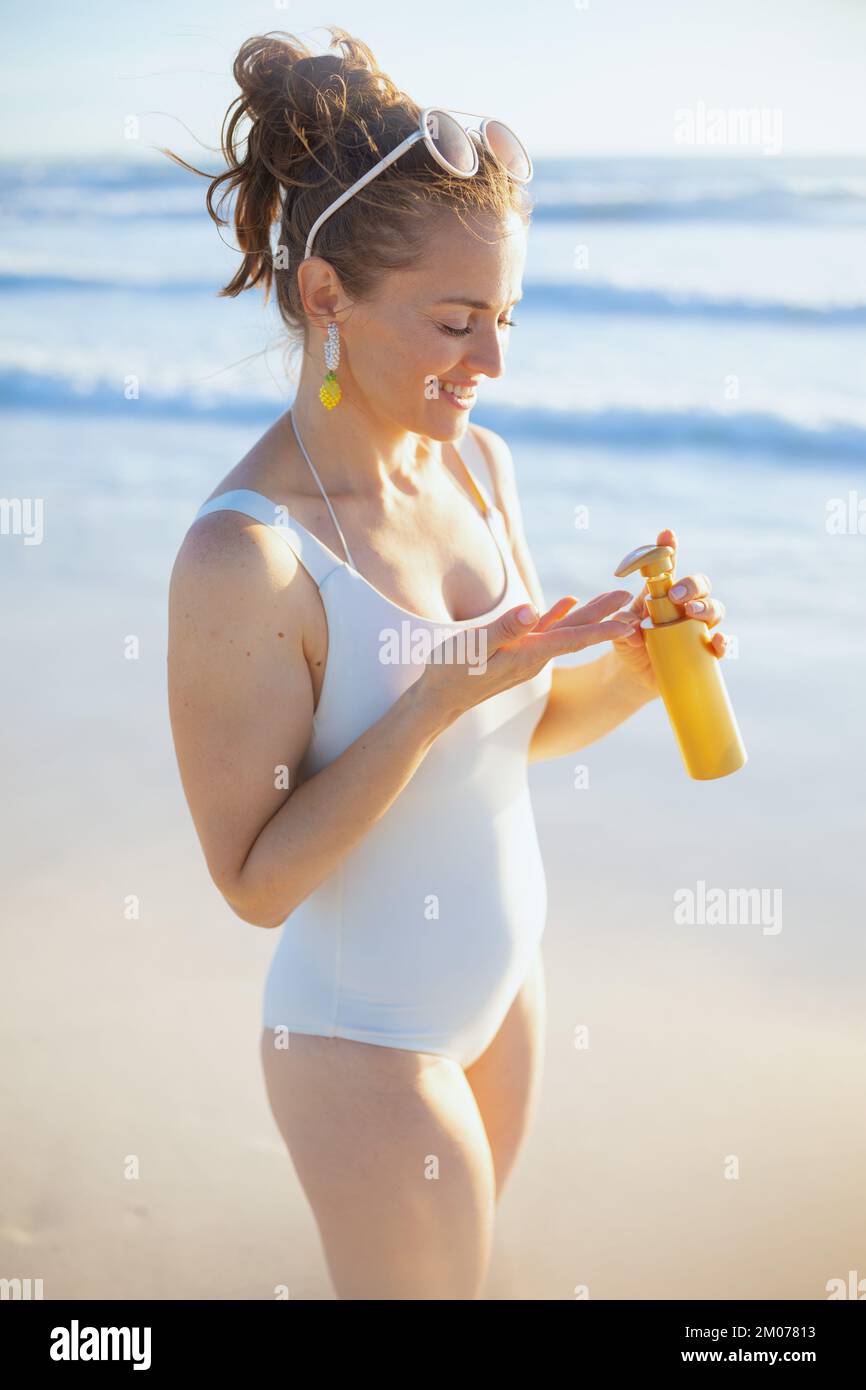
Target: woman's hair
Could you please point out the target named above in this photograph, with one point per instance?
(303, 129)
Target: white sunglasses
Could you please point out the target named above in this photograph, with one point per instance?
(452, 146)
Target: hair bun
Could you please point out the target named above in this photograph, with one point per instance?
(262, 70)
(305, 127)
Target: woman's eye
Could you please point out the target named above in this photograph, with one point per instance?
(461, 332)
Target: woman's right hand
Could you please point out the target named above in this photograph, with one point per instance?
(459, 674)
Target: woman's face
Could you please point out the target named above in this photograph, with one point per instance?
(418, 338)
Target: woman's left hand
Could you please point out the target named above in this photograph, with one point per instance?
(691, 593)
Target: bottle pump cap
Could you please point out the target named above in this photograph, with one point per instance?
(656, 563)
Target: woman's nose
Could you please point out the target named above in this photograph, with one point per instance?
(487, 356)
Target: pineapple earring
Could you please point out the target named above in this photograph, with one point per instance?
(329, 391)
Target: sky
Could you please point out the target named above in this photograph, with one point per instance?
(574, 77)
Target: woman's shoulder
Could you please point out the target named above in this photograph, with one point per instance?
(233, 582)
(227, 540)
(232, 554)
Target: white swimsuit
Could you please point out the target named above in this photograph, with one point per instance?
(424, 933)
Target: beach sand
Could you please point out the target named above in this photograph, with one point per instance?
(136, 1040)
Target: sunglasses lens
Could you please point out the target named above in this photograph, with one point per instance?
(508, 149)
(452, 142)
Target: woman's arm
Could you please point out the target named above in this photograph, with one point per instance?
(241, 703)
(585, 703)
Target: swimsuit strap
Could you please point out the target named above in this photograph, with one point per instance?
(323, 492)
(313, 554)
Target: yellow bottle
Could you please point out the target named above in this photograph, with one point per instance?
(686, 671)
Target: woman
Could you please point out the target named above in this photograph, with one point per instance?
(355, 767)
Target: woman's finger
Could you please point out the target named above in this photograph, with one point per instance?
(633, 637)
(560, 640)
(709, 611)
(638, 606)
(599, 607)
(553, 615)
(692, 586)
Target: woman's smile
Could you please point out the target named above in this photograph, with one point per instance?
(462, 395)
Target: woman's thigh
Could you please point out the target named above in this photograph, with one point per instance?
(393, 1156)
(506, 1077)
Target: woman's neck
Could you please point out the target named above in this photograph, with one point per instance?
(353, 449)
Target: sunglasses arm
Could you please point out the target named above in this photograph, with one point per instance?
(365, 179)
